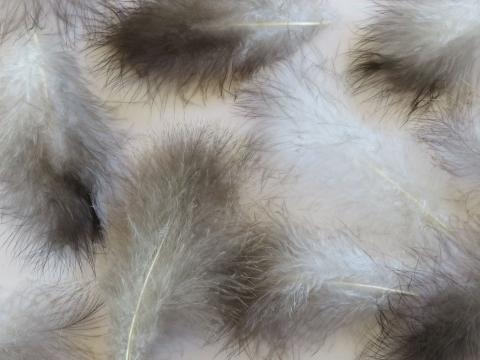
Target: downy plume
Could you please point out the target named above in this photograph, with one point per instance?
(441, 321)
(422, 52)
(374, 181)
(201, 45)
(170, 236)
(52, 322)
(371, 186)
(67, 18)
(57, 150)
(293, 286)
(454, 139)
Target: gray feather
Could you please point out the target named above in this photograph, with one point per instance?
(67, 18)
(59, 153)
(291, 286)
(420, 53)
(170, 236)
(52, 322)
(441, 319)
(201, 45)
(454, 141)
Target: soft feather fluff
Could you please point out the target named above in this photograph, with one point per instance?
(370, 183)
(421, 52)
(374, 181)
(58, 152)
(68, 18)
(439, 319)
(292, 286)
(51, 322)
(201, 45)
(454, 139)
(170, 236)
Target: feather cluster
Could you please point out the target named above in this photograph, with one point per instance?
(326, 223)
(298, 284)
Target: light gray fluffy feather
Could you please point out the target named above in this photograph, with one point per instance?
(454, 140)
(58, 152)
(170, 237)
(51, 322)
(368, 180)
(67, 18)
(419, 52)
(293, 286)
(439, 318)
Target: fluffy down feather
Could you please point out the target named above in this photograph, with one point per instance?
(170, 236)
(67, 18)
(419, 52)
(372, 183)
(58, 154)
(441, 319)
(291, 286)
(201, 45)
(375, 181)
(454, 140)
(52, 322)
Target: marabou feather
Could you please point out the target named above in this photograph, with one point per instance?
(374, 182)
(454, 139)
(57, 149)
(170, 236)
(51, 322)
(201, 45)
(441, 319)
(419, 52)
(67, 18)
(291, 287)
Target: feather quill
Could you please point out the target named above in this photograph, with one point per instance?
(169, 236)
(58, 152)
(201, 45)
(420, 52)
(51, 322)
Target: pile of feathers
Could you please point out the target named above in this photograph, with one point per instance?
(260, 175)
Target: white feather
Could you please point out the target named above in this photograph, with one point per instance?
(337, 169)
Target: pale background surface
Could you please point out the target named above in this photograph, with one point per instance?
(141, 119)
